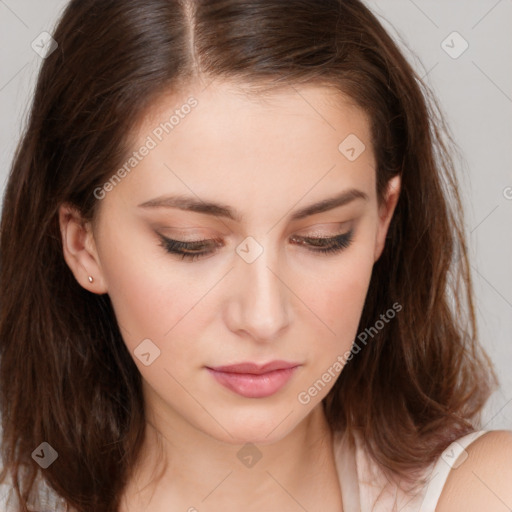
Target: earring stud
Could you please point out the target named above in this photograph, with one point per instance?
(90, 279)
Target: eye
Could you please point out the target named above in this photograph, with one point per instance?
(190, 250)
(326, 245)
(198, 248)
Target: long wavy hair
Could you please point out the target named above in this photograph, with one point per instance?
(66, 376)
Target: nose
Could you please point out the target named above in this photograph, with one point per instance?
(258, 305)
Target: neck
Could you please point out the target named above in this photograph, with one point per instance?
(188, 469)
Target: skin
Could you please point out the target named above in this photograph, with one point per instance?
(265, 158)
(482, 481)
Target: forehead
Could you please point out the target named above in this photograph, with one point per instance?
(308, 101)
(226, 115)
(247, 147)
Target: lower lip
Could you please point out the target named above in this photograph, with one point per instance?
(254, 386)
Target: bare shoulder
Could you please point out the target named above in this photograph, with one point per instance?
(484, 480)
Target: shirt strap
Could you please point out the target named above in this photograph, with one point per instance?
(450, 459)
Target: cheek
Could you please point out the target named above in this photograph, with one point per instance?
(337, 296)
(338, 301)
(347, 293)
(150, 306)
(146, 301)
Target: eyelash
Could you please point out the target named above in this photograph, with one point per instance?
(335, 244)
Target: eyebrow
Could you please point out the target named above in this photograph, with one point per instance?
(193, 204)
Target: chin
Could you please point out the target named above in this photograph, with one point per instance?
(251, 427)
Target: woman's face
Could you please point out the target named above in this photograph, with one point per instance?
(237, 172)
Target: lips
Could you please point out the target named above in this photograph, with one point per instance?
(251, 380)
(255, 369)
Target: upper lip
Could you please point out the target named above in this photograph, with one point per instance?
(255, 369)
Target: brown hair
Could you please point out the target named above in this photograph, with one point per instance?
(66, 376)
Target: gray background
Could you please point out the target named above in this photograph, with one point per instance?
(475, 93)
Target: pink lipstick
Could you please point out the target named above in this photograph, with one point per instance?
(252, 380)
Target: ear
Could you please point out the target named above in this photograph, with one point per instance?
(386, 211)
(80, 250)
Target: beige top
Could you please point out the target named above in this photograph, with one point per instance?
(364, 488)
